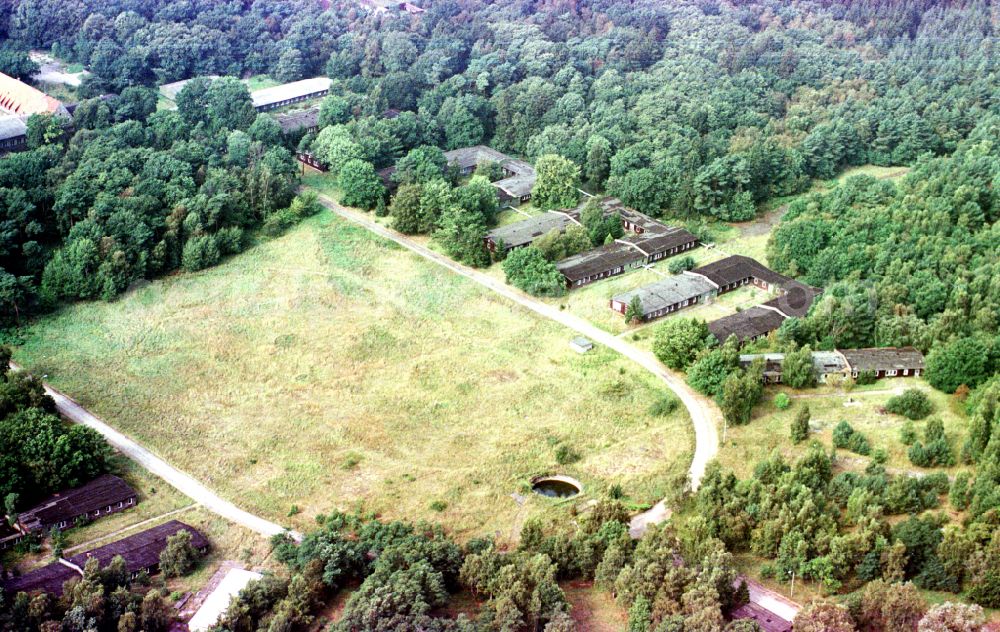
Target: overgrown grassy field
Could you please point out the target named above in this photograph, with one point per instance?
(328, 368)
(770, 428)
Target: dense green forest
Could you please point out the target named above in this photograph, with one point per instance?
(39, 454)
(688, 108)
(909, 264)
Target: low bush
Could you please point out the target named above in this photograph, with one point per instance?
(566, 455)
(782, 401)
(664, 406)
(912, 404)
(845, 437)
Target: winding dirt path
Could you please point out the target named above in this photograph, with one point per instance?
(705, 416)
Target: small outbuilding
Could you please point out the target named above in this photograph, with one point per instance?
(581, 344)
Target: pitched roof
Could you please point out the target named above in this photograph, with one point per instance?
(750, 323)
(603, 259)
(661, 239)
(516, 186)
(286, 91)
(767, 620)
(524, 232)
(294, 121)
(171, 90)
(824, 362)
(736, 268)
(49, 578)
(882, 359)
(17, 97)
(67, 505)
(666, 292)
(142, 550)
(468, 157)
(12, 126)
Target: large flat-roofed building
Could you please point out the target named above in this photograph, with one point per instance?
(667, 296)
(106, 494)
(289, 93)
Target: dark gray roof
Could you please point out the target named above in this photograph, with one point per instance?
(49, 578)
(736, 268)
(667, 292)
(12, 126)
(295, 121)
(767, 620)
(516, 186)
(660, 240)
(883, 359)
(142, 550)
(67, 505)
(824, 362)
(796, 300)
(468, 157)
(603, 259)
(750, 323)
(522, 233)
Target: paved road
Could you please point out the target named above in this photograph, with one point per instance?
(176, 478)
(705, 416)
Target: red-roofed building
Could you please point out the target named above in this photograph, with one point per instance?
(17, 97)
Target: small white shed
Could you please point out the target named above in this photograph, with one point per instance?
(581, 344)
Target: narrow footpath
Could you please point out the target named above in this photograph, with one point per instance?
(705, 416)
(183, 482)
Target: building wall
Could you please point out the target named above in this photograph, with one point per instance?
(607, 274)
(656, 256)
(621, 308)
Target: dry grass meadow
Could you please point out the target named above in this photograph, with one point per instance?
(329, 369)
(770, 428)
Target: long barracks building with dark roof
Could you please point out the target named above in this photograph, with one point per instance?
(141, 553)
(106, 494)
(701, 285)
(646, 240)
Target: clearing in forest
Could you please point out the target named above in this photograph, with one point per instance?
(329, 368)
